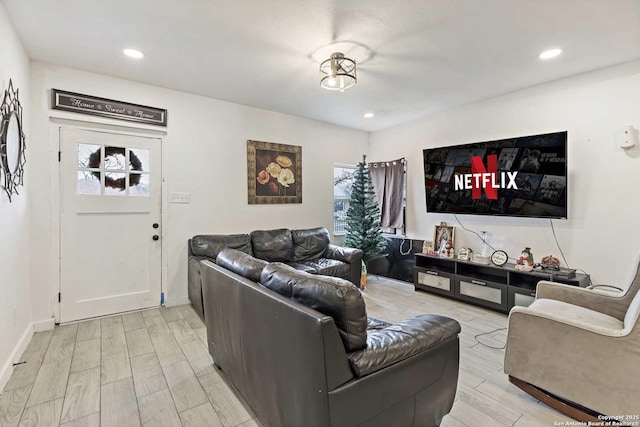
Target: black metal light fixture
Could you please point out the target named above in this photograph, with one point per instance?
(338, 72)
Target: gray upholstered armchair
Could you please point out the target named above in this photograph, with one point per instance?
(578, 346)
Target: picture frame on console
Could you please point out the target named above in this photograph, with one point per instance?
(443, 234)
(274, 173)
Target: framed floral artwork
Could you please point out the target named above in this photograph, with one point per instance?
(274, 173)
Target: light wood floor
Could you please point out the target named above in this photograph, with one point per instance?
(152, 368)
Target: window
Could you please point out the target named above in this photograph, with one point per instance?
(342, 182)
(112, 171)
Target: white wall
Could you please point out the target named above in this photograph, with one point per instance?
(14, 216)
(601, 235)
(205, 155)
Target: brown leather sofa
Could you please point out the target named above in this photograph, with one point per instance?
(308, 250)
(302, 352)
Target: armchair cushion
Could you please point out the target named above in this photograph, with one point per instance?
(210, 245)
(309, 244)
(400, 341)
(273, 245)
(331, 296)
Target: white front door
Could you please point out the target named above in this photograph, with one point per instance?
(110, 223)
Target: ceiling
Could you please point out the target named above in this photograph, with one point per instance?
(427, 56)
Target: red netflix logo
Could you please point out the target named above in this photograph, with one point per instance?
(485, 178)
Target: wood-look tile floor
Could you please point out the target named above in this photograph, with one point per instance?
(485, 397)
(152, 368)
(146, 368)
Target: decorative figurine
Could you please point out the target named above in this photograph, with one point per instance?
(449, 251)
(525, 262)
(550, 262)
(465, 254)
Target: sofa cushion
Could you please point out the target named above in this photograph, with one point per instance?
(272, 245)
(332, 296)
(302, 267)
(400, 341)
(373, 323)
(329, 267)
(210, 245)
(310, 243)
(241, 263)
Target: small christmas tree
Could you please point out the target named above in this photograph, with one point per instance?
(363, 216)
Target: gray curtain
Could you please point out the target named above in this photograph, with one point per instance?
(388, 181)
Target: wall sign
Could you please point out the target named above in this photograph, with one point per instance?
(86, 104)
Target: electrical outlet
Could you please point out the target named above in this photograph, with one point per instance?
(180, 198)
(15, 316)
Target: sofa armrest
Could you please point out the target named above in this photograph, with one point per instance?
(401, 341)
(351, 256)
(344, 254)
(605, 302)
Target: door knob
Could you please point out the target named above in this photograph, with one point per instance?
(155, 225)
(156, 237)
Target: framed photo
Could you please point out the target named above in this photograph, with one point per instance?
(443, 234)
(274, 173)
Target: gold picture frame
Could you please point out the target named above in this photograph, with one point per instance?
(442, 234)
(274, 173)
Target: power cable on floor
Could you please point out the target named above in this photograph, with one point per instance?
(487, 333)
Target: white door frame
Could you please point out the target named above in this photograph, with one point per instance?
(56, 230)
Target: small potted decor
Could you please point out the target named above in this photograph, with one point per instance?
(525, 262)
(550, 262)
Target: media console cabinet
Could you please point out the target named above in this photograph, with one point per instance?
(489, 286)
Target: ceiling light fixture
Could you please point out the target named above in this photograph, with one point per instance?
(551, 53)
(133, 53)
(338, 72)
(368, 115)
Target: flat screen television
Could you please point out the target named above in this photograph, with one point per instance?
(523, 177)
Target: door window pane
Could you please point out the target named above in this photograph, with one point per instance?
(114, 158)
(89, 156)
(139, 159)
(114, 184)
(139, 184)
(88, 183)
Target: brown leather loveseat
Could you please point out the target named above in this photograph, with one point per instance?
(302, 352)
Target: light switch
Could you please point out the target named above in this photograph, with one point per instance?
(180, 198)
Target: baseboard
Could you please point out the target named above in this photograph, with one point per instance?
(21, 346)
(169, 302)
(44, 325)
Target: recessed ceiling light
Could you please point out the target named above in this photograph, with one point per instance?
(551, 53)
(133, 53)
(368, 115)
